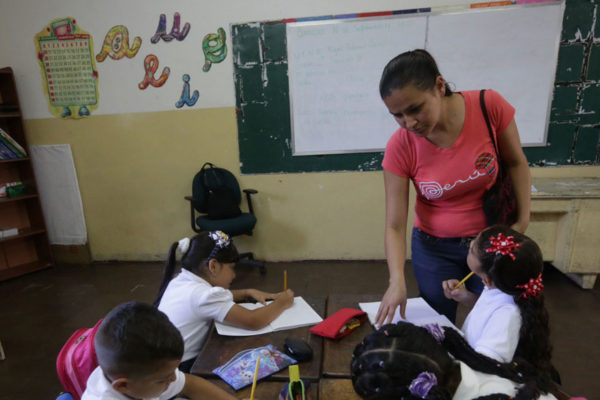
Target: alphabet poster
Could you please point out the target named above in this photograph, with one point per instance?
(66, 58)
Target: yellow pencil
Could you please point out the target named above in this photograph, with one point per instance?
(284, 280)
(464, 280)
(254, 381)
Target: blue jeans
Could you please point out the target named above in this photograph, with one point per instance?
(435, 260)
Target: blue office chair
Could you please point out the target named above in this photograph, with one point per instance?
(242, 224)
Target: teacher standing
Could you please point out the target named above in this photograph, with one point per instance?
(443, 146)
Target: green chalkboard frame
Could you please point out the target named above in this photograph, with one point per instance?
(263, 112)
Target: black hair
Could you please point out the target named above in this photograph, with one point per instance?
(386, 362)
(415, 67)
(506, 274)
(134, 339)
(195, 258)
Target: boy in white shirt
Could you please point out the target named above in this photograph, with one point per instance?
(138, 352)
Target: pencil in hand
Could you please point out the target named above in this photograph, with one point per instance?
(464, 280)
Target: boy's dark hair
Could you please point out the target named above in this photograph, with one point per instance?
(194, 260)
(415, 67)
(134, 339)
(506, 274)
(386, 362)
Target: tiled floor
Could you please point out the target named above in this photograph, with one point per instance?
(38, 312)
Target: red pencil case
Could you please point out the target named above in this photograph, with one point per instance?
(340, 324)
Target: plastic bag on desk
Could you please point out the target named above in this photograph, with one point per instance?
(239, 370)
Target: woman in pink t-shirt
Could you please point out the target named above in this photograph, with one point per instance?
(443, 146)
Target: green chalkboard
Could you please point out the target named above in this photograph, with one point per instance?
(263, 110)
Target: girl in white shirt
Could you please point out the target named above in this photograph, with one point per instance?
(200, 294)
(509, 318)
(409, 362)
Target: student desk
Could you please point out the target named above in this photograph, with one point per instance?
(217, 349)
(269, 390)
(332, 389)
(565, 215)
(337, 354)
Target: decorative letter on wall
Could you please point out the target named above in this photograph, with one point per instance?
(65, 53)
(161, 31)
(185, 94)
(151, 66)
(214, 47)
(116, 44)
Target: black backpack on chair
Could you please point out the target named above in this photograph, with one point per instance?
(221, 200)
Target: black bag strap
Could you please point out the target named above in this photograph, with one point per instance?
(487, 122)
(210, 167)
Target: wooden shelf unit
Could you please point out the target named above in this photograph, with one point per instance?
(29, 250)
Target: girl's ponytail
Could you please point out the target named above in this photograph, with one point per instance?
(168, 273)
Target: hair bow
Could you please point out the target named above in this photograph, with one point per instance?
(221, 240)
(422, 384)
(436, 331)
(504, 245)
(183, 245)
(532, 288)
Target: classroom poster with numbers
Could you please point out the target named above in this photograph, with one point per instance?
(69, 75)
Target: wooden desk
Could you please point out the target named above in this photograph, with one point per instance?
(268, 390)
(219, 349)
(565, 215)
(333, 389)
(338, 353)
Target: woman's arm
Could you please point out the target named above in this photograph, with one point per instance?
(261, 317)
(396, 214)
(509, 146)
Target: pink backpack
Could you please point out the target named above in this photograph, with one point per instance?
(76, 361)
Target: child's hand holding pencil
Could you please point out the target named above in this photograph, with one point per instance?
(455, 290)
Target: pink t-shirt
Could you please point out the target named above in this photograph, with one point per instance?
(450, 183)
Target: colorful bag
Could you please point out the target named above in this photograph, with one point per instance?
(77, 360)
(239, 371)
(499, 202)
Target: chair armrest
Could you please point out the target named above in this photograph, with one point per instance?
(192, 201)
(250, 191)
(189, 198)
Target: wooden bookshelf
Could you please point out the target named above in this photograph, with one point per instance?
(29, 250)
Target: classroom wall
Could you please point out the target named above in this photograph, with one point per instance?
(135, 168)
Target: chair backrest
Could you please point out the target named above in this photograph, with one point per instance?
(210, 177)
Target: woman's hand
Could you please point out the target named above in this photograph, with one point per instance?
(260, 296)
(520, 226)
(394, 296)
(460, 295)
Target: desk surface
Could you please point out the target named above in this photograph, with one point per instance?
(269, 390)
(219, 349)
(337, 354)
(337, 389)
(566, 188)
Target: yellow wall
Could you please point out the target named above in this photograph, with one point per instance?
(135, 169)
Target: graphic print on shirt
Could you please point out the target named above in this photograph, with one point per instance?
(484, 166)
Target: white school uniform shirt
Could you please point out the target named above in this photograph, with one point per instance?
(99, 388)
(492, 327)
(474, 384)
(191, 303)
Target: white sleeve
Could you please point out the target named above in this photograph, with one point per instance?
(175, 387)
(500, 336)
(214, 303)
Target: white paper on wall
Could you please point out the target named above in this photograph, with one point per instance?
(59, 194)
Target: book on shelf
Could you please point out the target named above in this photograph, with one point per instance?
(6, 153)
(12, 144)
(298, 315)
(6, 232)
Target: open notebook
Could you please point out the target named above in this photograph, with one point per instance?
(417, 312)
(299, 314)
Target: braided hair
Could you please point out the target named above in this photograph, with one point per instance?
(508, 274)
(387, 362)
(195, 256)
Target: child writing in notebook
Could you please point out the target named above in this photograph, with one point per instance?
(508, 319)
(138, 351)
(200, 294)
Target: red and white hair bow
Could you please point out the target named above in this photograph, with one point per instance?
(504, 245)
(532, 288)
